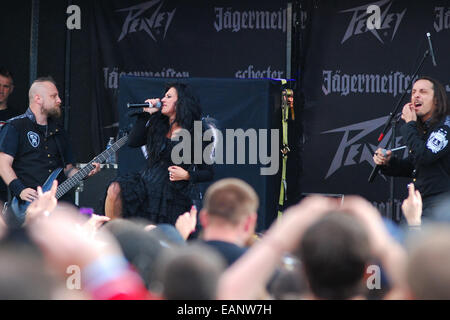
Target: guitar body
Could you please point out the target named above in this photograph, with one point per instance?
(19, 207)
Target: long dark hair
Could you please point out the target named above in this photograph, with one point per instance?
(440, 100)
(188, 110)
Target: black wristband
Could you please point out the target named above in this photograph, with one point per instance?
(16, 186)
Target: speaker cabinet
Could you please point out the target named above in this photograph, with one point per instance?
(92, 192)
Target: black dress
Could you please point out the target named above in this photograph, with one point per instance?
(150, 194)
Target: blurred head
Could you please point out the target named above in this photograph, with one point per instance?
(190, 273)
(429, 99)
(6, 86)
(141, 248)
(230, 202)
(289, 281)
(24, 275)
(428, 270)
(335, 252)
(44, 97)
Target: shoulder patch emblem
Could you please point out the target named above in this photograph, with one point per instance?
(33, 138)
(437, 141)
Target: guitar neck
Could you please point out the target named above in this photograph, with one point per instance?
(75, 180)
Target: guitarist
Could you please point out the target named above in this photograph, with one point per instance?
(34, 144)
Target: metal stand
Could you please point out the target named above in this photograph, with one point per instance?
(79, 189)
(395, 111)
(392, 179)
(391, 121)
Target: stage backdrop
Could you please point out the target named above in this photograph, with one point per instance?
(181, 39)
(234, 104)
(351, 76)
(352, 79)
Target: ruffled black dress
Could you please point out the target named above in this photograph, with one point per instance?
(150, 194)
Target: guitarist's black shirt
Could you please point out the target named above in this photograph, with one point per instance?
(37, 150)
(5, 115)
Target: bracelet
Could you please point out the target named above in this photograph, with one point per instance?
(16, 186)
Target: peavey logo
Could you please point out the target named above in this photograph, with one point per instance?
(358, 23)
(352, 150)
(155, 24)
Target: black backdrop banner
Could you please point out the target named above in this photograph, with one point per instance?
(182, 39)
(353, 77)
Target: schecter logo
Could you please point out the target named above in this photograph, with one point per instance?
(140, 19)
(352, 150)
(362, 18)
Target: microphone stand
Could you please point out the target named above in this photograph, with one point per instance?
(391, 122)
(392, 179)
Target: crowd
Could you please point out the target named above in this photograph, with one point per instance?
(318, 249)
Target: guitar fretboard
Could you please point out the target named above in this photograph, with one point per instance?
(73, 181)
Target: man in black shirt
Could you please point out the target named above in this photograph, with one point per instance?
(426, 132)
(34, 144)
(229, 217)
(6, 88)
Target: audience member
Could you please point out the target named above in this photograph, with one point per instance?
(335, 252)
(104, 272)
(229, 217)
(289, 282)
(191, 273)
(140, 247)
(6, 88)
(428, 271)
(241, 281)
(23, 272)
(412, 207)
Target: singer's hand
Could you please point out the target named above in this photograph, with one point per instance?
(381, 159)
(177, 173)
(408, 113)
(152, 102)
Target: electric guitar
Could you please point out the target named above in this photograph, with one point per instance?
(19, 206)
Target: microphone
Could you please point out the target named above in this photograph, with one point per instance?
(377, 167)
(138, 108)
(144, 105)
(433, 58)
